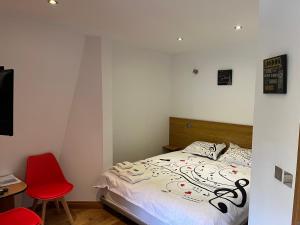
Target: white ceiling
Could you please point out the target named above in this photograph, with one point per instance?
(153, 24)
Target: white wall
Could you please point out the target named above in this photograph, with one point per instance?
(81, 157)
(46, 61)
(276, 120)
(141, 96)
(199, 96)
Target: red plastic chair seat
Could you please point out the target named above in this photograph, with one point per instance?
(45, 179)
(19, 216)
(49, 191)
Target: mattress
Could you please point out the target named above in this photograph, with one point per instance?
(183, 189)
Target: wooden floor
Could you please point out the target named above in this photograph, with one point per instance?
(102, 216)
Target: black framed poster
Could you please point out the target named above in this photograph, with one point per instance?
(224, 77)
(275, 75)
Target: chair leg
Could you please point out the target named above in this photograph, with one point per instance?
(35, 203)
(57, 205)
(44, 212)
(65, 205)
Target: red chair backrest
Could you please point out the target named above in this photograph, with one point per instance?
(43, 169)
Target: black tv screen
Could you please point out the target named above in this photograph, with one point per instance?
(6, 101)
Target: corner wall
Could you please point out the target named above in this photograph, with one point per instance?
(81, 156)
(141, 102)
(276, 118)
(107, 110)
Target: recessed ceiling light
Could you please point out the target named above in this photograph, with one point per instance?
(180, 39)
(238, 27)
(52, 2)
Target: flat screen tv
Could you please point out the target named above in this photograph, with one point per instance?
(6, 101)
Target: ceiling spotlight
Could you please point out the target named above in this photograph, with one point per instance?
(238, 27)
(180, 39)
(52, 2)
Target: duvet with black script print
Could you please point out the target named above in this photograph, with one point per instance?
(186, 189)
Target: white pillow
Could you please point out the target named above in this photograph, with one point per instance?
(210, 150)
(237, 155)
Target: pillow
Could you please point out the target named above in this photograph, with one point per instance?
(210, 150)
(237, 155)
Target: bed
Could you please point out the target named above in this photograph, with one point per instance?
(184, 188)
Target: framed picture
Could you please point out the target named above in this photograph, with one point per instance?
(224, 77)
(275, 75)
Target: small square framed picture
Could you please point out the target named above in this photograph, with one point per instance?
(224, 77)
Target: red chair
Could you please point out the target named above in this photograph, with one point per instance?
(46, 182)
(19, 216)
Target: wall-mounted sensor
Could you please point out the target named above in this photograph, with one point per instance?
(278, 173)
(288, 179)
(195, 71)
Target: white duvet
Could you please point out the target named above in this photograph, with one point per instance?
(187, 190)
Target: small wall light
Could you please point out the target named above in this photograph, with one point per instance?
(52, 2)
(195, 71)
(238, 27)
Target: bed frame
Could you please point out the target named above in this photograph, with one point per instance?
(183, 132)
(122, 211)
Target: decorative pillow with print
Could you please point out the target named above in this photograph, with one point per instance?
(206, 149)
(237, 155)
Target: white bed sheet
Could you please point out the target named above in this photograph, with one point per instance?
(188, 190)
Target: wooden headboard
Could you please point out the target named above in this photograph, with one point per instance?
(183, 132)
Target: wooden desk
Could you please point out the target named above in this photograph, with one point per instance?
(7, 201)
